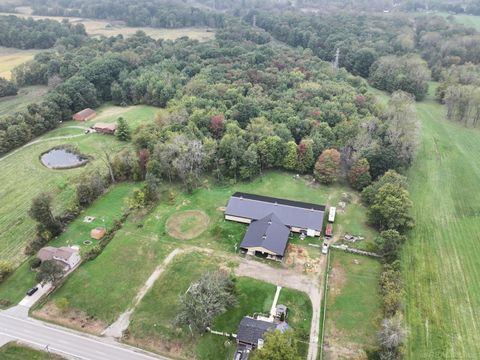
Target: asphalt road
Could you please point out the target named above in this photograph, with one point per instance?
(67, 342)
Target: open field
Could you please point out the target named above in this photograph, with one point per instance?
(23, 177)
(10, 57)
(105, 210)
(467, 20)
(354, 309)
(97, 27)
(14, 351)
(26, 95)
(441, 260)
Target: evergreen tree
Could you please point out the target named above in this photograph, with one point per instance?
(123, 130)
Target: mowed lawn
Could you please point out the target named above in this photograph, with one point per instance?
(441, 260)
(354, 305)
(23, 176)
(14, 351)
(152, 324)
(10, 57)
(105, 287)
(105, 210)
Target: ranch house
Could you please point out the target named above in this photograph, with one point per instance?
(271, 220)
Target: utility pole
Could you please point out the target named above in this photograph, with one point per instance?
(335, 63)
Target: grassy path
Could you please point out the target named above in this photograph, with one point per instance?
(442, 256)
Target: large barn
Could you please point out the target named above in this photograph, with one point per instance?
(84, 115)
(271, 220)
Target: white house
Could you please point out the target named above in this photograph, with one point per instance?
(66, 255)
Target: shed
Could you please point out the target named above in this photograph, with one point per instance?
(98, 233)
(331, 214)
(105, 128)
(329, 230)
(84, 115)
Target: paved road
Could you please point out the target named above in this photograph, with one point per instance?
(69, 343)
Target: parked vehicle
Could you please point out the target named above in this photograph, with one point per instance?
(32, 291)
(325, 248)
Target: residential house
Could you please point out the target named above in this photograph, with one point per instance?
(68, 256)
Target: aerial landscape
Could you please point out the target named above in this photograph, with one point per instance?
(233, 180)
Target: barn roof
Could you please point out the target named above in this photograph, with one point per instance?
(105, 126)
(291, 213)
(269, 233)
(84, 113)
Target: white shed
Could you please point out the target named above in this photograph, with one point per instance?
(331, 214)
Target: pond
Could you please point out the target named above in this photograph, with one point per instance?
(62, 159)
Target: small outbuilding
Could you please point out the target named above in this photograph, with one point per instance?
(98, 233)
(105, 128)
(84, 115)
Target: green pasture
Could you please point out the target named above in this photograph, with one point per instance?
(441, 260)
(354, 304)
(23, 176)
(26, 95)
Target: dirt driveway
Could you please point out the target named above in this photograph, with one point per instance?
(310, 284)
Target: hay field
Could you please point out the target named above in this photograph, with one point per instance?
(441, 259)
(10, 57)
(97, 27)
(19, 102)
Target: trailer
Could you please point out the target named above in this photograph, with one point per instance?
(331, 214)
(329, 230)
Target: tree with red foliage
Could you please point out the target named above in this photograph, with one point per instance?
(327, 166)
(359, 176)
(217, 124)
(143, 157)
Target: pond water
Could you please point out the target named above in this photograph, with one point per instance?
(62, 158)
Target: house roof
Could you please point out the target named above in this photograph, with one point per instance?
(269, 233)
(49, 253)
(250, 330)
(46, 253)
(291, 213)
(84, 113)
(105, 126)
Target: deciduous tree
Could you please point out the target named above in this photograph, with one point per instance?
(327, 166)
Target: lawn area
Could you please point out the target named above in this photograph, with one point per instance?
(152, 322)
(106, 209)
(23, 177)
(106, 286)
(98, 27)
(467, 20)
(354, 309)
(26, 95)
(11, 57)
(15, 351)
(441, 259)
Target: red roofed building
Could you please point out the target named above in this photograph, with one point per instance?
(105, 128)
(84, 115)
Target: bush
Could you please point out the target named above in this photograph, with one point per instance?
(35, 263)
(5, 269)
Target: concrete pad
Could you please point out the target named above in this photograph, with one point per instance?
(29, 301)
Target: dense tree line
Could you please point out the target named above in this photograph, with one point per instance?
(7, 88)
(39, 34)
(154, 13)
(459, 91)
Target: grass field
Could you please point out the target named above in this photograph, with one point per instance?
(10, 57)
(97, 27)
(23, 177)
(354, 309)
(467, 20)
(152, 322)
(27, 95)
(105, 210)
(14, 351)
(441, 259)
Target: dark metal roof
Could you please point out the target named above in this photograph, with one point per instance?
(291, 213)
(250, 330)
(269, 233)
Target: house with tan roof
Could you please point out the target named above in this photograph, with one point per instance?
(66, 255)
